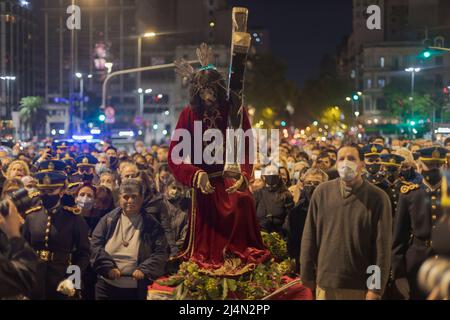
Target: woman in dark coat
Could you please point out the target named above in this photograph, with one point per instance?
(129, 248)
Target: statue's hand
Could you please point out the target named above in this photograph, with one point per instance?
(240, 185)
(204, 184)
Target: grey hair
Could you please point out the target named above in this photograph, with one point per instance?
(132, 186)
(315, 171)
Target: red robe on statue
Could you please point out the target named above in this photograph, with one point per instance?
(222, 226)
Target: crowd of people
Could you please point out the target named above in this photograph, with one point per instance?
(122, 218)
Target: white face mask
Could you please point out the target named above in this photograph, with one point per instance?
(348, 170)
(100, 168)
(85, 203)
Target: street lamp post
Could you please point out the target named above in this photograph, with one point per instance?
(81, 78)
(141, 102)
(139, 53)
(413, 72)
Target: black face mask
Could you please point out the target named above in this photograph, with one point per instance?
(373, 168)
(433, 176)
(272, 182)
(112, 160)
(87, 177)
(308, 192)
(391, 173)
(408, 174)
(49, 201)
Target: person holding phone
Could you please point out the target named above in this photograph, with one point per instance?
(18, 261)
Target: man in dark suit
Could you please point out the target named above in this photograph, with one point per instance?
(417, 215)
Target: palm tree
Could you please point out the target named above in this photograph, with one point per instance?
(33, 115)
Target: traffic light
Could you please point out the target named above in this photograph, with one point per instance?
(355, 97)
(426, 54)
(102, 118)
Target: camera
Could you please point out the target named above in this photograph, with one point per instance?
(21, 199)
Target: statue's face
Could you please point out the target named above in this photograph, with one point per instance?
(208, 96)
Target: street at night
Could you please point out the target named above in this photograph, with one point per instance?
(222, 155)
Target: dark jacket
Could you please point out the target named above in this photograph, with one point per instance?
(295, 223)
(177, 227)
(272, 208)
(153, 250)
(418, 213)
(68, 236)
(18, 265)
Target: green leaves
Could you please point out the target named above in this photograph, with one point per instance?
(276, 245)
(192, 283)
(32, 112)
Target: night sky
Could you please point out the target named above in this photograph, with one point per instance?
(301, 31)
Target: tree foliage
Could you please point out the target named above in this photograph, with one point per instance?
(400, 103)
(326, 90)
(33, 115)
(268, 87)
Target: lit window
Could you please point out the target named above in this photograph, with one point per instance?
(382, 61)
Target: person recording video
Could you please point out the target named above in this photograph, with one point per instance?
(18, 262)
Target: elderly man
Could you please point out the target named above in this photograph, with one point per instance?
(129, 248)
(348, 234)
(102, 165)
(296, 219)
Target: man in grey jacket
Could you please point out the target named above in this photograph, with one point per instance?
(346, 245)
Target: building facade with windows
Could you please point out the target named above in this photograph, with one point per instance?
(373, 59)
(20, 67)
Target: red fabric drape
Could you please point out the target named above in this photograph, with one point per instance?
(221, 224)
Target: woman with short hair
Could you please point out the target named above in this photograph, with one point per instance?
(129, 248)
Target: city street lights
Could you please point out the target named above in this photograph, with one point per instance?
(147, 35)
(142, 92)
(413, 72)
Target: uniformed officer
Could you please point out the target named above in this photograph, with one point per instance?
(45, 155)
(58, 234)
(86, 169)
(418, 212)
(71, 164)
(52, 166)
(372, 161)
(391, 164)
